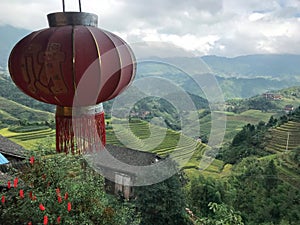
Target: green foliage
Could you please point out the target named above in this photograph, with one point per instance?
(249, 141)
(261, 103)
(70, 179)
(223, 215)
(162, 203)
(253, 194)
(271, 177)
(296, 156)
(254, 103)
(12, 93)
(203, 190)
(261, 197)
(18, 112)
(295, 115)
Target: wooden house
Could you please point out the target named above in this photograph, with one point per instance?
(12, 152)
(119, 179)
(288, 108)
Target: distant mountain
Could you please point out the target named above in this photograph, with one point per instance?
(283, 66)
(248, 87)
(9, 37)
(240, 77)
(232, 86)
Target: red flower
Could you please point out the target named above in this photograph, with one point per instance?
(69, 206)
(8, 185)
(58, 220)
(30, 194)
(21, 193)
(45, 220)
(31, 160)
(57, 191)
(59, 199)
(16, 182)
(3, 199)
(42, 207)
(66, 196)
(33, 198)
(30, 223)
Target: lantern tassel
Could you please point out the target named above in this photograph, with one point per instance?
(79, 130)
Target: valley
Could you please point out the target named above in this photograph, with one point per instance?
(254, 173)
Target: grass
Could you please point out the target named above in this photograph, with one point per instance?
(12, 111)
(30, 139)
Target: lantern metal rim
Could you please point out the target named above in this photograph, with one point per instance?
(72, 18)
(79, 110)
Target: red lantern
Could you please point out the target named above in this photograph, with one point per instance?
(50, 65)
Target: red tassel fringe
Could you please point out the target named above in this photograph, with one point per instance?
(80, 134)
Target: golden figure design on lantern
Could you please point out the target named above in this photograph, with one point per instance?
(42, 70)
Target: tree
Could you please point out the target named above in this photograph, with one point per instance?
(203, 191)
(272, 122)
(162, 203)
(271, 178)
(223, 215)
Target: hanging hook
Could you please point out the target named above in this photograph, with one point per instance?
(79, 1)
(64, 6)
(63, 3)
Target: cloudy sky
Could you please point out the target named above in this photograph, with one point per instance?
(204, 27)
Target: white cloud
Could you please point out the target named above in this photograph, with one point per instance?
(221, 27)
(256, 16)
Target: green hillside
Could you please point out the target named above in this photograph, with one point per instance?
(282, 66)
(12, 112)
(287, 164)
(10, 91)
(238, 87)
(265, 102)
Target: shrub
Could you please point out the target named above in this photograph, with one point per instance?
(61, 189)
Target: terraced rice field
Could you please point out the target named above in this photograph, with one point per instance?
(288, 173)
(28, 139)
(140, 135)
(284, 137)
(147, 137)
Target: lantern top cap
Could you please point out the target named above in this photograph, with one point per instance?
(72, 18)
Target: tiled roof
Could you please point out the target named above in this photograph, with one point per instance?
(7, 147)
(122, 159)
(131, 156)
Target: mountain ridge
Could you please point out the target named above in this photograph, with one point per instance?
(266, 65)
(239, 77)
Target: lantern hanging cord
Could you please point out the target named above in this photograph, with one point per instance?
(64, 6)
